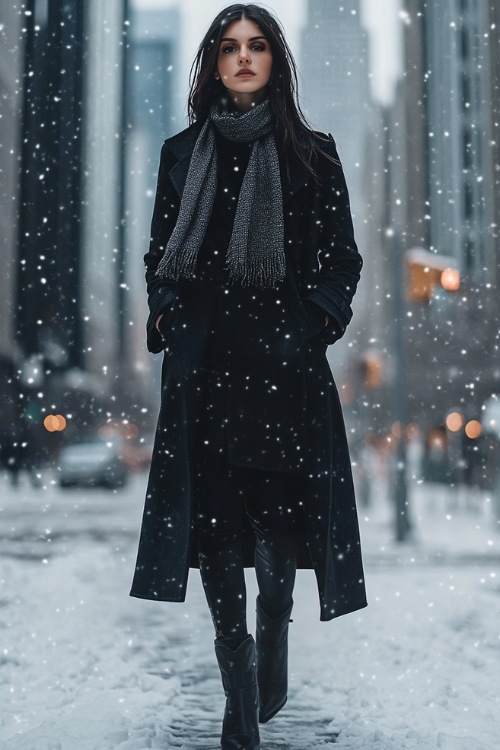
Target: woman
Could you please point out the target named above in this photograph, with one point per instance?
(251, 270)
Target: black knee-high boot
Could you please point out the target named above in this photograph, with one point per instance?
(275, 567)
(272, 661)
(240, 726)
(222, 573)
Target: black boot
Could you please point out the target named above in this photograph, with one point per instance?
(240, 727)
(272, 661)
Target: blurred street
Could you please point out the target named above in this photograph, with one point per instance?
(85, 667)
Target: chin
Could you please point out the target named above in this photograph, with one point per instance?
(245, 90)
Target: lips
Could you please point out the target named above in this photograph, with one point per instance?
(245, 72)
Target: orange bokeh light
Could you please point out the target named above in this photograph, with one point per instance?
(450, 279)
(473, 429)
(412, 431)
(346, 394)
(61, 421)
(454, 421)
(396, 429)
(54, 423)
(50, 423)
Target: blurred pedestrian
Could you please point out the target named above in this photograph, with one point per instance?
(11, 455)
(251, 270)
(20, 451)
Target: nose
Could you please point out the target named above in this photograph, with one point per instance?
(244, 55)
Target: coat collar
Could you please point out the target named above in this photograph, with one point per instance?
(182, 145)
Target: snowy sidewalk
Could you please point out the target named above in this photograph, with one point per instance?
(453, 526)
(85, 667)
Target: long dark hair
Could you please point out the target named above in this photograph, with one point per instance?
(293, 134)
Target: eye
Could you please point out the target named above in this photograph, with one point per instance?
(228, 48)
(259, 47)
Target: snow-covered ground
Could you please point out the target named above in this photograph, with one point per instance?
(85, 667)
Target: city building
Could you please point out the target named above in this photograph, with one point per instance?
(334, 78)
(11, 87)
(438, 329)
(336, 99)
(103, 175)
(493, 136)
(451, 49)
(455, 61)
(69, 256)
(156, 109)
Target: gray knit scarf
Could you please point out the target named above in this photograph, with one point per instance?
(256, 254)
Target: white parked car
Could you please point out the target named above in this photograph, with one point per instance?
(93, 463)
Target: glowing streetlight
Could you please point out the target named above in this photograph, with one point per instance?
(54, 423)
(473, 429)
(450, 279)
(454, 421)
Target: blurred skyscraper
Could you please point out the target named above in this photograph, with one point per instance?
(156, 109)
(336, 99)
(336, 91)
(104, 110)
(440, 149)
(442, 136)
(69, 187)
(458, 148)
(11, 67)
(493, 134)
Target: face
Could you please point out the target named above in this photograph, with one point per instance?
(244, 61)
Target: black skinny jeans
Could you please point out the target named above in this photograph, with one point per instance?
(273, 503)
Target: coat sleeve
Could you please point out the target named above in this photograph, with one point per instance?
(161, 291)
(339, 259)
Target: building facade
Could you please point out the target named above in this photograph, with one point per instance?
(11, 60)
(155, 113)
(334, 73)
(493, 137)
(456, 64)
(69, 229)
(441, 160)
(336, 99)
(11, 89)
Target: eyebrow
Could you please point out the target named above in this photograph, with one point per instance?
(251, 39)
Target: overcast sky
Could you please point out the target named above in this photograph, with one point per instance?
(380, 18)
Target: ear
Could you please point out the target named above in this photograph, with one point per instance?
(217, 75)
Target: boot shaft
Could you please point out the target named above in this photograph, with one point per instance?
(272, 661)
(237, 667)
(240, 726)
(272, 631)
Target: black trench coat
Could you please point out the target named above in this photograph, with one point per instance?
(323, 266)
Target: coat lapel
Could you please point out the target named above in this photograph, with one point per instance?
(178, 174)
(298, 178)
(182, 146)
